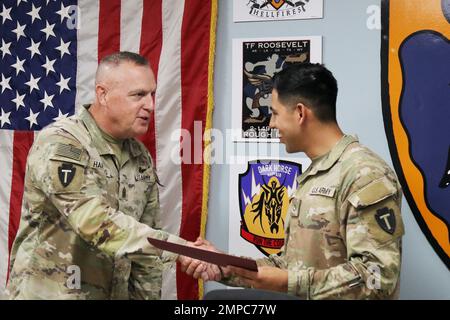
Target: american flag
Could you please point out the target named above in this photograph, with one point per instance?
(49, 53)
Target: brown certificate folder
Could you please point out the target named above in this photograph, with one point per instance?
(220, 259)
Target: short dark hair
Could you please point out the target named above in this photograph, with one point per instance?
(124, 56)
(311, 84)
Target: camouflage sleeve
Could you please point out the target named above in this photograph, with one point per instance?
(372, 228)
(82, 202)
(146, 280)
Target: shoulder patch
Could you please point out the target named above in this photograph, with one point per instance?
(385, 218)
(66, 173)
(68, 151)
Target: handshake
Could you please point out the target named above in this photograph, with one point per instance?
(265, 277)
(201, 269)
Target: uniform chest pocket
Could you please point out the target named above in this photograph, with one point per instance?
(103, 177)
(138, 187)
(318, 211)
(135, 189)
(134, 184)
(319, 221)
(143, 178)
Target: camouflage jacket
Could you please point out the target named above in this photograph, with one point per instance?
(85, 219)
(343, 228)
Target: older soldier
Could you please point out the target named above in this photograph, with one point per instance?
(91, 198)
(344, 226)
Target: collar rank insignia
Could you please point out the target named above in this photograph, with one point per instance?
(386, 219)
(66, 172)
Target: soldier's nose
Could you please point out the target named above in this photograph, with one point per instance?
(149, 105)
(272, 123)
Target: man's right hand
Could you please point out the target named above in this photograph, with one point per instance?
(205, 244)
(197, 268)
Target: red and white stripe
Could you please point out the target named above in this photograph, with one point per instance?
(14, 147)
(175, 36)
(87, 51)
(6, 161)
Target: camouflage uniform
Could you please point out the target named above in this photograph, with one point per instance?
(84, 210)
(343, 228)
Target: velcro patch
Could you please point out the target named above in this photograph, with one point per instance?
(323, 191)
(68, 151)
(374, 192)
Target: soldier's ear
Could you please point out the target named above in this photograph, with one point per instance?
(100, 92)
(300, 113)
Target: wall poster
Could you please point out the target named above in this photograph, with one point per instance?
(255, 61)
(264, 10)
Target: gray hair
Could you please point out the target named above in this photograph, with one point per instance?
(124, 56)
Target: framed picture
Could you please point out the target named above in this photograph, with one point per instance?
(266, 10)
(255, 61)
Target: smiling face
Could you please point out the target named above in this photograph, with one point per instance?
(127, 94)
(286, 120)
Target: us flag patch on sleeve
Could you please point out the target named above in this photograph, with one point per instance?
(68, 151)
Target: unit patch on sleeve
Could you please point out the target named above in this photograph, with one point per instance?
(66, 172)
(385, 218)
